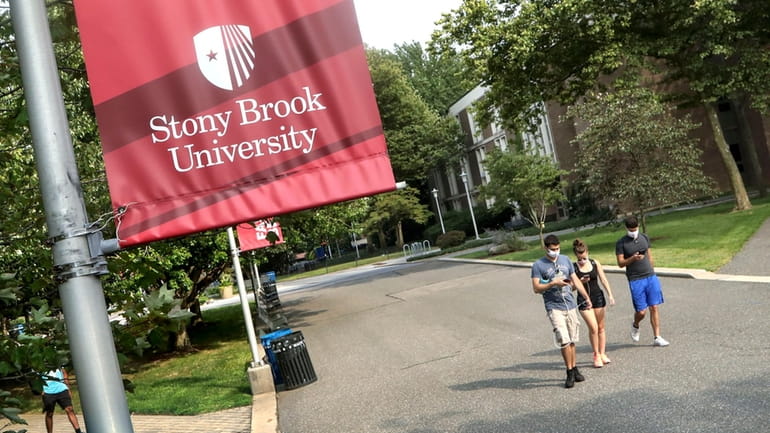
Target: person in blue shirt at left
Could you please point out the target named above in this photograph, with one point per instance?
(57, 391)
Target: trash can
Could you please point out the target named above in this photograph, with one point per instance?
(266, 340)
(293, 360)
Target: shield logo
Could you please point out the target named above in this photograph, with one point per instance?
(225, 55)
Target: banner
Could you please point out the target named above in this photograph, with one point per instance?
(253, 236)
(212, 113)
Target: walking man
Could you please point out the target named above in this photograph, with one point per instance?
(634, 253)
(553, 276)
(56, 391)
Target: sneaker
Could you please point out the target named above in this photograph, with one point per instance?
(598, 363)
(578, 377)
(660, 341)
(605, 359)
(570, 379)
(634, 333)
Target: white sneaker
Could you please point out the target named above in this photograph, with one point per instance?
(660, 341)
(634, 333)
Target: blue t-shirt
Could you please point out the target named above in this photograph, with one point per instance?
(56, 384)
(555, 298)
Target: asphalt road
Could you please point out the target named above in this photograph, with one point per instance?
(436, 346)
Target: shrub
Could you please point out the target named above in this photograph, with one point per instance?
(510, 239)
(451, 239)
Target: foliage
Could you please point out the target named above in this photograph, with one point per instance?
(543, 50)
(451, 238)
(439, 79)
(389, 210)
(524, 180)
(510, 239)
(634, 152)
(418, 138)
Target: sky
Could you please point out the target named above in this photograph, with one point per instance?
(384, 23)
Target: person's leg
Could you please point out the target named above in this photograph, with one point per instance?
(602, 335)
(72, 417)
(49, 422)
(593, 334)
(655, 320)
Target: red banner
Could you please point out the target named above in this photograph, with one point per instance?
(212, 113)
(253, 236)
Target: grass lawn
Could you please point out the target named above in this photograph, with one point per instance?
(705, 238)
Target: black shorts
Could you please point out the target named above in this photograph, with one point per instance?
(62, 398)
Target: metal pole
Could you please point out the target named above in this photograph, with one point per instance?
(464, 176)
(438, 208)
(76, 267)
(244, 300)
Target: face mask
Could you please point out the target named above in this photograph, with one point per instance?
(553, 253)
(633, 235)
(582, 261)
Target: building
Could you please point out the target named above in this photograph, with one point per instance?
(553, 138)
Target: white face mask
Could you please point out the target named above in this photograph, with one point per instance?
(553, 253)
(633, 234)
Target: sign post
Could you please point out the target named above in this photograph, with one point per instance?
(77, 268)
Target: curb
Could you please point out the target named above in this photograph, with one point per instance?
(697, 274)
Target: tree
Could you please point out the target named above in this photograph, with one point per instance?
(524, 180)
(542, 50)
(440, 80)
(390, 210)
(418, 138)
(635, 151)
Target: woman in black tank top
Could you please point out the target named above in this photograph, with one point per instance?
(591, 273)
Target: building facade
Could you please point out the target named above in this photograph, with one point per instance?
(554, 135)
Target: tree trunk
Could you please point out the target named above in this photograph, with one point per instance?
(399, 235)
(750, 148)
(742, 201)
(182, 342)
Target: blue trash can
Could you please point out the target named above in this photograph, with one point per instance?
(266, 340)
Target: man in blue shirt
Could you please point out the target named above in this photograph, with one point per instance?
(553, 276)
(56, 391)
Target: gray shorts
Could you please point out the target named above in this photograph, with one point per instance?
(565, 326)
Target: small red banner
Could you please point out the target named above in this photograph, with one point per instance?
(253, 236)
(215, 113)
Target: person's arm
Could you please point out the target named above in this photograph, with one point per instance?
(623, 262)
(576, 283)
(539, 287)
(65, 377)
(605, 283)
(649, 254)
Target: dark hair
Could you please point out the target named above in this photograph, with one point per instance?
(551, 240)
(632, 222)
(579, 246)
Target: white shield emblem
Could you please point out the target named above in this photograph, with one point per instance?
(225, 55)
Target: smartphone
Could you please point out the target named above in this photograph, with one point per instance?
(642, 252)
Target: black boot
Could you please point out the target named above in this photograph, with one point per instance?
(578, 377)
(570, 379)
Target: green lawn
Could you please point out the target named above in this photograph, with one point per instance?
(705, 238)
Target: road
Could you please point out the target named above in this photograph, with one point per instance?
(437, 346)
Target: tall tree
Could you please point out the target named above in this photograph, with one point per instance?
(529, 51)
(524, 180)
(418, 138)
(439, 79)
(634, 151)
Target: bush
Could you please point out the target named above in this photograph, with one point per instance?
(451, 239)
(510, 239)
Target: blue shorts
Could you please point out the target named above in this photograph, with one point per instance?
(646, 292)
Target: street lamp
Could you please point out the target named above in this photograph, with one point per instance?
(438, 208)
(464, 176)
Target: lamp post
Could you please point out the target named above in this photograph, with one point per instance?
(438, 208)
(464, 176)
